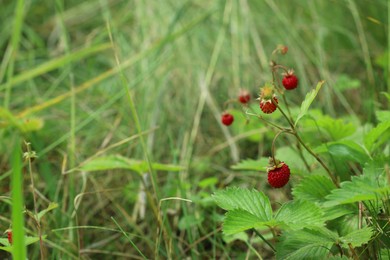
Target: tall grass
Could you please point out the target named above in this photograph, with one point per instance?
(99, 72)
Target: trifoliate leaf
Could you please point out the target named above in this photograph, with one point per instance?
(308, 100)
(357, 237)
(298, 214)
(313, 188)
(308, 243)
(377, 136)
(252, 201)
(252, 165)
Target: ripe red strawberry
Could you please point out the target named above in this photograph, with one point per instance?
(290, 81)
(278, 175)
(267, 106)
(9, 235)
(227, 119)
(244, 97)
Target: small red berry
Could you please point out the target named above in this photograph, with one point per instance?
(279, 175)
(267, 94)
(244, 97)
(227, 119)
(283, 49)
(9, 235)
(290, 81)
(267, 106)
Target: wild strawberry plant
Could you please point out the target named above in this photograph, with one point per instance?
(337, 171)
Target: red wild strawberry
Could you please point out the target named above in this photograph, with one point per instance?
(9, 235)
(267, 106)
(227, 119)
(266, 97)
(278, 175)
(244, 96)
(290, 81)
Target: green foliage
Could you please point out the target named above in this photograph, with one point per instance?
(313, 188)
(377, 136)
(372, 185)
(251, 165)
(308, 100)
(111, 162)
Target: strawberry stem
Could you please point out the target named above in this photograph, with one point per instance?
(295, 133)
(265, 240)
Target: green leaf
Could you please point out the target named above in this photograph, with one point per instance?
(52, 205)
(345, 82)
(239, 220)
(308, 243)
(252, 165)
(308, 100)
(120, 162)
(27, 241)
(208, 182)
(382, 115)
(343, 151)
(313, 188)
(336, 128)
(298, 214)
(369, 186)
(357, 237)
(252, 201)
(377, 136)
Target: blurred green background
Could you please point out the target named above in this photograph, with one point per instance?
(77, 78)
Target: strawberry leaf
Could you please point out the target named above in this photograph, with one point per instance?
(377, 136)
(369, 186)
(308, 100)
(252, 201)
(313, 188)
(240, 220)
(357, 237)
(298, 214)
(308, 243)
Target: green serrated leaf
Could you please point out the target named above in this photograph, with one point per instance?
(52, 205)
(252, 201)
(336, 128)
(377, 136)
(239, 220)
(308, 243)
(298, 214)
(252, 165)
(357, 237)
(313, 188)
(369, 186)
(111, 162)
(27, 241)
(308, 100)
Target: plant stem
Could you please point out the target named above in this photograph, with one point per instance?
(265, 240)
(29, 156)
(295, 133)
